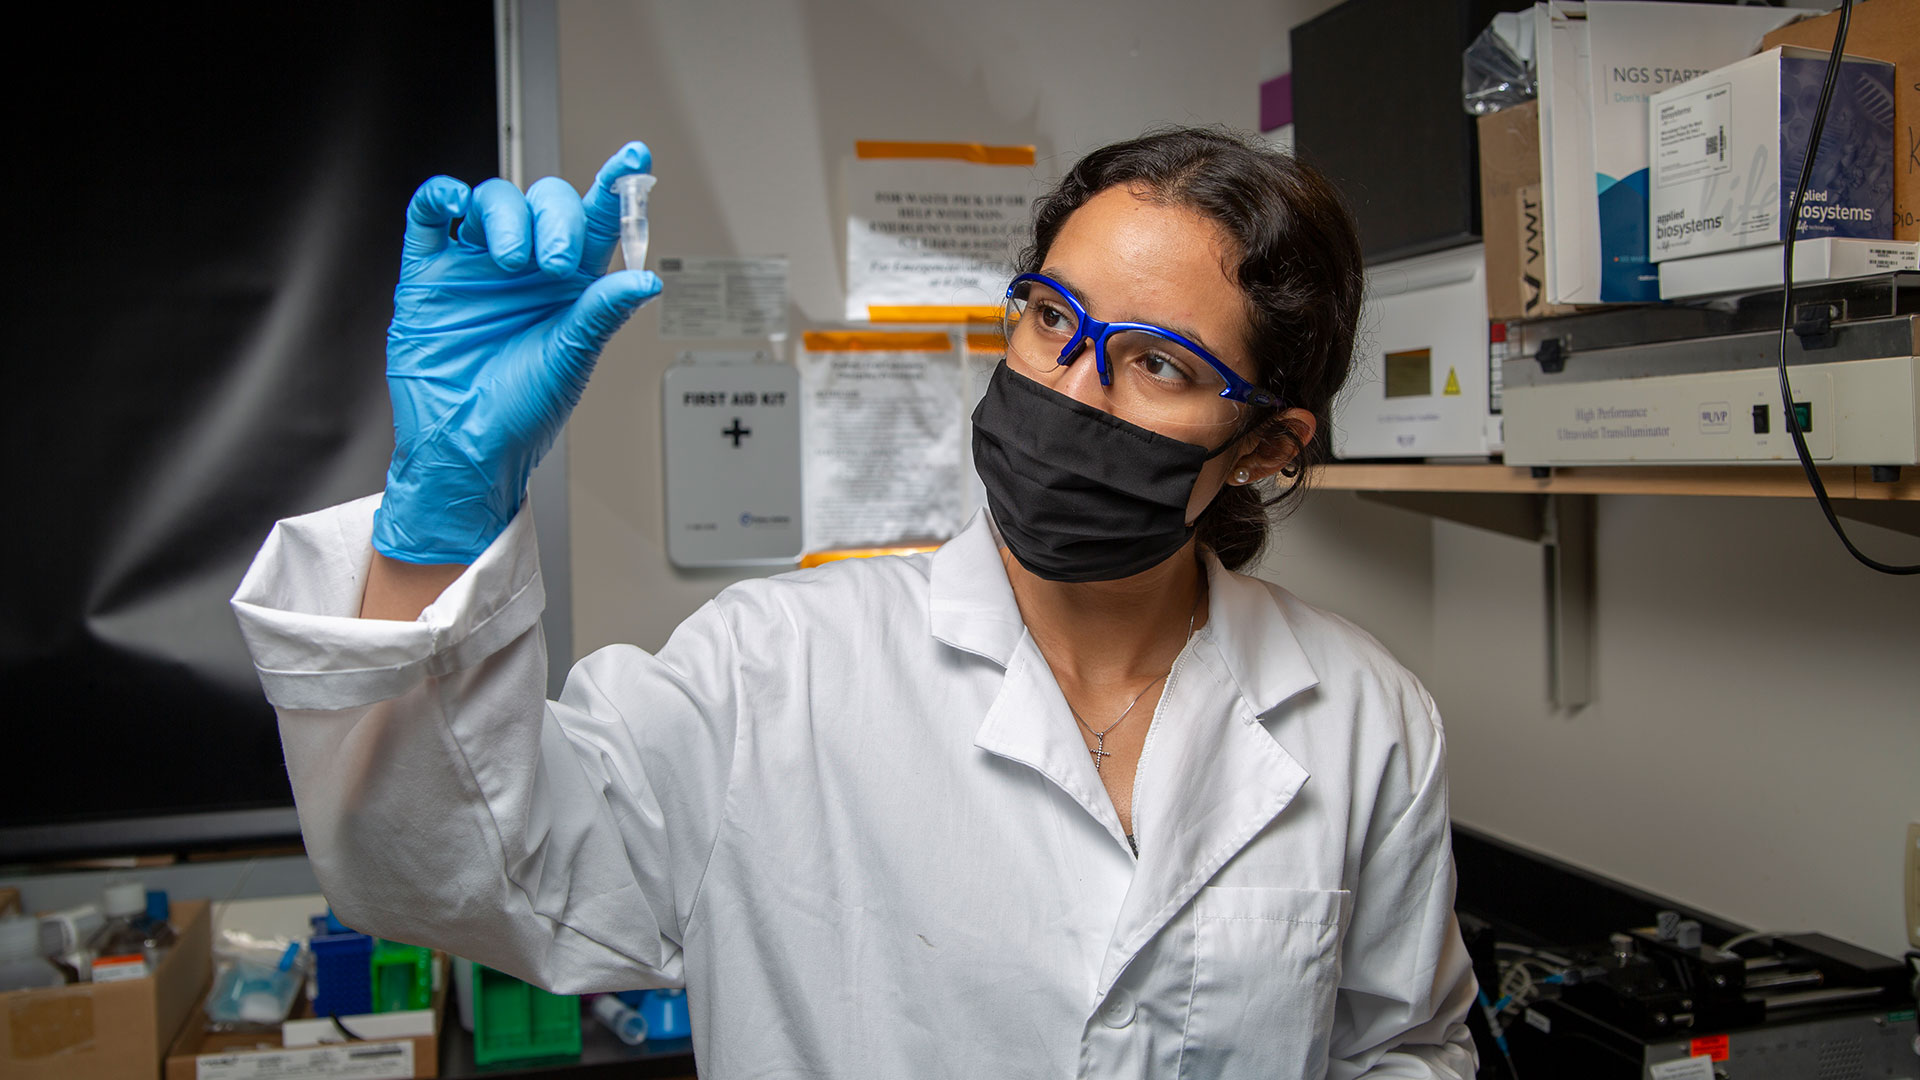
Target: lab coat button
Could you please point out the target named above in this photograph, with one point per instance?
(1118, 1011)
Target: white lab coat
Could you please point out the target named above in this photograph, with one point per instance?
(849, 808)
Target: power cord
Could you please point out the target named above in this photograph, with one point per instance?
(1786, 306)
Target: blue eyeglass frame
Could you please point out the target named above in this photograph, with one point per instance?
(1238, 389)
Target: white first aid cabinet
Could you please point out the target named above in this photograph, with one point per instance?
(1424, 383)
(732, 428)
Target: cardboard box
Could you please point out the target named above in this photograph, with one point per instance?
(197, 1052)
(1512, 219)
(110, 1031)
(1755, 268)
(1727, 150)
(1887, 30)
(1598, 62)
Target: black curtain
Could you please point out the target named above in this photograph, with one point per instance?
(210, 201)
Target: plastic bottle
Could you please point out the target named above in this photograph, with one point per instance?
(160, 932)
(21, 965)
(626, 1023)
(64, 936)
(120, 948)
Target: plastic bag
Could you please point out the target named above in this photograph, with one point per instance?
(256, 980)
(249, 995)
(1497, 71)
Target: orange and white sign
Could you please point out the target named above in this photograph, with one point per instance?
(933, 228)
(883, 433)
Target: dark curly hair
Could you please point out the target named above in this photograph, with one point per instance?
(1298, 264)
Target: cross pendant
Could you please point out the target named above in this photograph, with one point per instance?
(1099, 752)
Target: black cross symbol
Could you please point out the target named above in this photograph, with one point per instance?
(736, 432)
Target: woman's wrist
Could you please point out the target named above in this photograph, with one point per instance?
(400, 591)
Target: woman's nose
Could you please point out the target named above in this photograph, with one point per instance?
(1080, 376)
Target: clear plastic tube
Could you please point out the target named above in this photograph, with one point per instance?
(626, 1024)
(633, 190)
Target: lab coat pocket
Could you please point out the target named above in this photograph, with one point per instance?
(1266, 965)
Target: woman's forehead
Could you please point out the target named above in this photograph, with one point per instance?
(1135, 259)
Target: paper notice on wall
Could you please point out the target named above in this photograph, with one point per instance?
(882, 427)
(723, 297)
(933, 228)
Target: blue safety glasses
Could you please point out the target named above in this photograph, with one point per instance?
(1153, 367)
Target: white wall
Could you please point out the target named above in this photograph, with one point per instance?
(1756, 740)
(1754, 744)
(750, 108)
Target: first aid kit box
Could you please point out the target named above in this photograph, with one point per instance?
(1726, 151)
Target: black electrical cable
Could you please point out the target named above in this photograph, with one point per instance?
(1786, 304)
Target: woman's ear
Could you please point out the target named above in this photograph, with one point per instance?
(1284, 443)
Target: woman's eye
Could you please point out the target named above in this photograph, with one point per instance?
(1054, 317)
(1163, 367)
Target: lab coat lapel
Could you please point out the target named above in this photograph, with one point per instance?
(971, 607)
(970, 603)
(1029, 723)
(1214, 776)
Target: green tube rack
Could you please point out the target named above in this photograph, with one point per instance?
(513, 1021)
(402, 976)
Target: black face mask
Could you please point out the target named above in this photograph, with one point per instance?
(1080, 494)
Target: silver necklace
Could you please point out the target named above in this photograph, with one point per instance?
(1099, 751)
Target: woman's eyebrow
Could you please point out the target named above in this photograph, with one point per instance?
(1080, 294)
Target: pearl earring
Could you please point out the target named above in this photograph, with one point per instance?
(1241, 476)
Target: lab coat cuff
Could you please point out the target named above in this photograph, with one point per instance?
(299, 603)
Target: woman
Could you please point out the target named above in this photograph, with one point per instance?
(1066, 797)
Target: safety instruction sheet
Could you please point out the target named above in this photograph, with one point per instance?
(718, 297)
(932, 228)
(883, 428)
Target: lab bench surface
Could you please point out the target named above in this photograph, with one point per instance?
(601, 1055)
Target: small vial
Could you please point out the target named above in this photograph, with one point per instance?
(626, 1024)
(633, 190)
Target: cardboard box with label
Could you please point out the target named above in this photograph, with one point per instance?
(111, 1030)
(1598, 64)
(1512, 218)
(1887, 30)
(392, 1046)
(1727, 150)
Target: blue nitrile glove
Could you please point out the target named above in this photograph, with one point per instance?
(495, 331)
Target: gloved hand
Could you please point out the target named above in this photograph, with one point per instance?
(495, 331)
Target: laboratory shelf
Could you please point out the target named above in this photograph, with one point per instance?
(1777, 481)
(1555, 508)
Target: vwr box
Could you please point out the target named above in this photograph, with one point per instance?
(1421, 384)
(1716, 400)
(1727, 148)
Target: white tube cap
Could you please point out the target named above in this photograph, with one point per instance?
(126, 898)
(19, 939)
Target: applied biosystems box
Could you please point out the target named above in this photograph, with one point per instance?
(1727, 148)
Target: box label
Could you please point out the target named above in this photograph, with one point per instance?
(1691, 136)
(1689, 1068)
(1713, 1047)
(360, 1061)
(119, 968)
